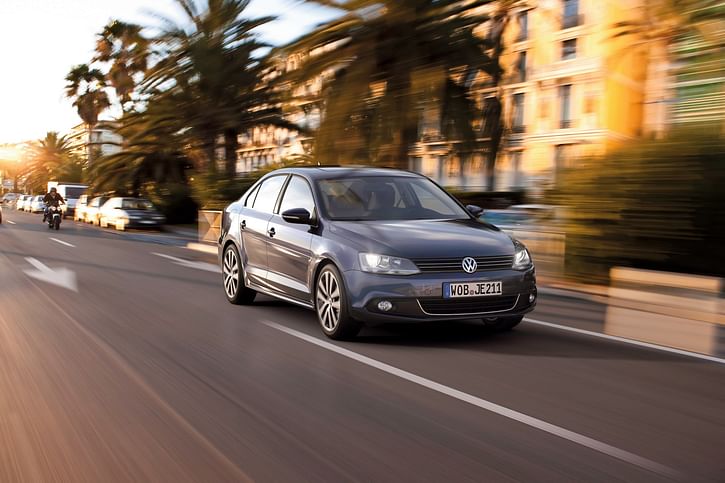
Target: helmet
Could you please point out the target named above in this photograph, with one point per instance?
(53, 189)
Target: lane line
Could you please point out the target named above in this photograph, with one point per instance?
(207, 267)
(531, 421)
(62, 242)
(624, 340)
(11, 222)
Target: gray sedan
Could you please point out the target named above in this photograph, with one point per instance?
(365, 245)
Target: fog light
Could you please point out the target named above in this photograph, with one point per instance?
(532, 297)
(385, 305)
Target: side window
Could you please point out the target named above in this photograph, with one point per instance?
(297, 195)
(268, 193)
(249, 200)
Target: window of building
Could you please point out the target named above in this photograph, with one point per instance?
(516, 181)
(568, 49)
(562, 156)
(521, 67)
(518, 113)
(523, 18)
(570, 16)
(565, 106)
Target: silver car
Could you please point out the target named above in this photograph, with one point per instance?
(371, 245)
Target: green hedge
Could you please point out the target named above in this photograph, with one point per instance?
(657, 205)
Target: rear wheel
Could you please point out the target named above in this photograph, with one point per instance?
(232, 275)
(331, 305)
(503, 324)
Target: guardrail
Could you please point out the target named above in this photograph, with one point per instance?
(671, 309)
(210, 223)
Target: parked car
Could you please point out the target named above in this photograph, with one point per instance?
(93, 210)
(361, 245)
(36, 204)
(79, 213)
(20, 203)
(9, 198)
(530, 217)
(125, 213)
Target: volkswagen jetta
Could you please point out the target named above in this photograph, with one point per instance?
(367, 245)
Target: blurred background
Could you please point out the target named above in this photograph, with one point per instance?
(592, 130)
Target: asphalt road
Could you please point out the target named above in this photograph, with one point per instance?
(137, 369)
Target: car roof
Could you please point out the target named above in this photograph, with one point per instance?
(330, 172)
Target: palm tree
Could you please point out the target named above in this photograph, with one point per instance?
(388, 61)
(153, 152)
(123, 46)
(210, 72)
(86, 88)
(52, 159)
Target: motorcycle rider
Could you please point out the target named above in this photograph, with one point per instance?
(52, 198)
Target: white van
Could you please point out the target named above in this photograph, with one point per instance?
(70, 193)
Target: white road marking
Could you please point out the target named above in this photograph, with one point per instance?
(61, 277)
(533, 422)
(626, 341)
(209, 267)
(62, 242)
(11, 222)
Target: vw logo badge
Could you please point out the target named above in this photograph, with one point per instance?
(469, 265)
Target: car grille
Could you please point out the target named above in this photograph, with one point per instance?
(454, 264)
(468, 306)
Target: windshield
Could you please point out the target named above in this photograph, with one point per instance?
(369, 198)
(74, 191)
(134, 204)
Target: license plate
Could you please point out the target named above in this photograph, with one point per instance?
(453, 290)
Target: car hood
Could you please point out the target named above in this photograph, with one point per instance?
(426, 238)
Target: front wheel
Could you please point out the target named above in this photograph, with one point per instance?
(56, 223)
(234, 288)
(503, 324)
(331, 305)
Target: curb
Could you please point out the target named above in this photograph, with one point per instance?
(202, 247)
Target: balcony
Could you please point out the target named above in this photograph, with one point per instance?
(567, 68)
(565, 123)
(518, 129)
(571, 21)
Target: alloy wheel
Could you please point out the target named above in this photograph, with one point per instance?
(328, 301)
(231, 273)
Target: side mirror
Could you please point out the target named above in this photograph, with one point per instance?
(474, 210)
(298, 216)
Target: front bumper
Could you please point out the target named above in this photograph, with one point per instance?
(419, 298)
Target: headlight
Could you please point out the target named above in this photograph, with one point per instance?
(522, 259)
(374, 263)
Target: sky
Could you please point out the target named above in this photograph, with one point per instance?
(40, 40)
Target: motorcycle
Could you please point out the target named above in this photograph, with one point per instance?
(54, 217)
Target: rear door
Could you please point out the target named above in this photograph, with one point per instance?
(289, 250)
(253, 221)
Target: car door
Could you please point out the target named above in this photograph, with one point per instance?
(253, 221)
(289, 248)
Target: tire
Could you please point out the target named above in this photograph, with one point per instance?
(331, 305)
(236, 292)
(504, 324)
(56, 224)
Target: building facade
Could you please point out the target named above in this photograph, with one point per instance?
(571, 89)
(103, 140)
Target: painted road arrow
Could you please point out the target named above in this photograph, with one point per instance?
(61, 277)
(209, 267)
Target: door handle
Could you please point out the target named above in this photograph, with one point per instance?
(244, 224)
(271, 232)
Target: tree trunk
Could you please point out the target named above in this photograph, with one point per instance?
(231, 145)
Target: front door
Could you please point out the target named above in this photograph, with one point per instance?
(289, 248)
